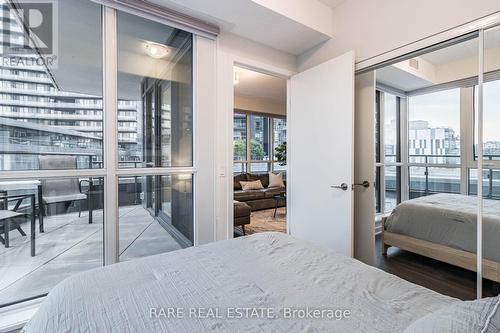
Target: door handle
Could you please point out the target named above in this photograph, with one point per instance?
(365, 184)
(342, 186)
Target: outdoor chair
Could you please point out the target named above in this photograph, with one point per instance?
(63, 190)
(9, 217)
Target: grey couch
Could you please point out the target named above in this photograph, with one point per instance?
(257, 199)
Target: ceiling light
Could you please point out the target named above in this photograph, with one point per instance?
(236, 78)
(156, 51)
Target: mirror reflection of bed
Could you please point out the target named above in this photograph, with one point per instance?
(442, 227)
(426, 125)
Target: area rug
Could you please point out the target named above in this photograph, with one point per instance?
(263, 220)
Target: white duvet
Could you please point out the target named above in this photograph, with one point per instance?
(267, 282)
(449, 219)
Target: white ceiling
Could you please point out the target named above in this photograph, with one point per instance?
(464, 50)
(332, 3)
(250, 20)
(261, 86)
(397, 78)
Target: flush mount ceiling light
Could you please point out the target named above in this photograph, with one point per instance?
(236, 78)
(156, 50)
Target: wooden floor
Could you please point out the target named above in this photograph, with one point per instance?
(438, 276)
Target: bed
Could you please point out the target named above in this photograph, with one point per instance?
(262, 271)
(444, 227)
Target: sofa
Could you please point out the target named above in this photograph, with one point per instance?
(257, 199)
(242, 213)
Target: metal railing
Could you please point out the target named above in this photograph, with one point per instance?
(90, 159)
(427, 165)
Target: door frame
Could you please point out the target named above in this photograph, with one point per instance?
(225, 115)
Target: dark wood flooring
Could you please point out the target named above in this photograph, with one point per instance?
(441, 277)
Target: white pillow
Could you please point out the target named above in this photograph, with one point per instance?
(460, 317)
(253, 185)
(276, 180)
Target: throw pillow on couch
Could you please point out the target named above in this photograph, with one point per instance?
(252, 185)
(276, 180)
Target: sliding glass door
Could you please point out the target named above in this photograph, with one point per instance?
(103, 120)
(51, 124)
(155, 73)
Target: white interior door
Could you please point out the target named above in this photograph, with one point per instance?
(320, 154)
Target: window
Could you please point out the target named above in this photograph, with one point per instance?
(256, 141)
(434, 143)
(240, 137)
(491, 183)
(42, 137)
(426, 180)
(391, 128)
(47, 127)
(434, 127)
(259, 138)
(158, 95)
(392, 179)
(387, 145)
(68, 235)
(491, 121)
(279, 143)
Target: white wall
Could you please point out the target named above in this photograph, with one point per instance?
(205, 140)
(262, 105)
(245, 50)
(311, 13)
(372, 27)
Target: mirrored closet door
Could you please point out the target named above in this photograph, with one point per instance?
(426, 167)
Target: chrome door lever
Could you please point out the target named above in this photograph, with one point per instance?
(365, 184)
(342, 186)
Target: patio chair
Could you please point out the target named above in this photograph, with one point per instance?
(63, 190)
(8, 217)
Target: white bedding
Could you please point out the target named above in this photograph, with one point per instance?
(449, 219)
(268, 270)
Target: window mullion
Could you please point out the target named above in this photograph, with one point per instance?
(110, 135)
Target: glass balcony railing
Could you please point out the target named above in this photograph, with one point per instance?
(428, 174)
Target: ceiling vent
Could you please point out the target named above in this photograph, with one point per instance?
(414, 64)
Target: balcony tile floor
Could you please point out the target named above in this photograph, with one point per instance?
(70, 245)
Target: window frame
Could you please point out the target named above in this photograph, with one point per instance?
(381, 165)
(468, 159)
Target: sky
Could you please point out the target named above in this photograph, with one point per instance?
(442, 109)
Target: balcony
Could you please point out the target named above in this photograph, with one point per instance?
(70, 245)
(432, 174)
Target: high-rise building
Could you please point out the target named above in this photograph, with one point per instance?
(439, 141)
(37, 117)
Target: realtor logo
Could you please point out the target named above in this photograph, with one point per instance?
(29, 27)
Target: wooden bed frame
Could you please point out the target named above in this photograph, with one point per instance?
(460, 258)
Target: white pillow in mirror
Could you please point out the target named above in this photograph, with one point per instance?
(276, 180)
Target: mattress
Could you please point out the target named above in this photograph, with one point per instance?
(449, 219)
(200, 289)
